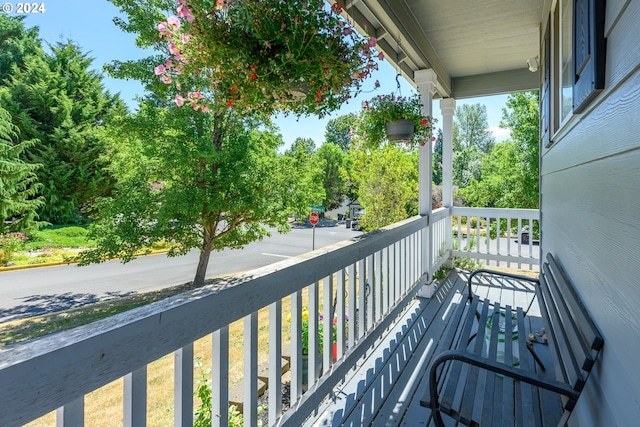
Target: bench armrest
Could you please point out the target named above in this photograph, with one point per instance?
(533, 280)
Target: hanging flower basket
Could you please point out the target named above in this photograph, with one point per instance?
(395, 119)
(294, 56)
(399, 131)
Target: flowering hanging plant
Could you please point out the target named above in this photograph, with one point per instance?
(295, 56)
(383, 109)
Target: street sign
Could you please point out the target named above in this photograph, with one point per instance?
(314, 218)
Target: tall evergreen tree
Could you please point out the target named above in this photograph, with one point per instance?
(16, 44)
(57, 99)
(19, 198)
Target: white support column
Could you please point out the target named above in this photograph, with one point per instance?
(426, 82)
(447, 108)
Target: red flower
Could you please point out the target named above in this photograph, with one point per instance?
(337, 8)
(254, 76)
(229, 104)
(425, 122)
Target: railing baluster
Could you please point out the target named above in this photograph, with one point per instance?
(275, 362)
(71, 414)
(352, 304)
(296, 346)
(250, 390)
(135, 398)
(183, 387)
(327, 325)
(386, 280)
(378, 277)
(314, 352)
(220, 377)
(498, 219)
(340, 312)
(362, 297)
(370, 292)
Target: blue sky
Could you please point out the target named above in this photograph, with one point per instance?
(89, 24)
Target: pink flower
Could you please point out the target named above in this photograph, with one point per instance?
(196, 107)
(162, 27)
(159, 69)
(373, 42)
(179, 100)
(186, 38)
(166, 79)
(204, 109)
(381, 56)
(173, 49)
(185, 12)
(433, 138)
(350, 133)
(173, 22)
(347, 31)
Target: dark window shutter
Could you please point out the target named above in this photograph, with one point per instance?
(545, 87)
(588, 52)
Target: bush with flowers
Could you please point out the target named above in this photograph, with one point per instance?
(383, 109)
(305, 330)
(295, 56)
(10, 243)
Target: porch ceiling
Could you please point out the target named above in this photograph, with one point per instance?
(475, 47)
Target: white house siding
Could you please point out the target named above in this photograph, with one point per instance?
(590, 204)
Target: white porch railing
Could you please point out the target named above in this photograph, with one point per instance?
(494, 237)
(362, 283)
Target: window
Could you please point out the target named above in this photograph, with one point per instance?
(566, 56)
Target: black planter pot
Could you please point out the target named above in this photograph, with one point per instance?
(399, 131)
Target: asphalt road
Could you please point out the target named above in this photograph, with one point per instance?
(31, 292)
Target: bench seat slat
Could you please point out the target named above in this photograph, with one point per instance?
(473, 397)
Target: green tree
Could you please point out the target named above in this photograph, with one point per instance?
(471, 128)
(194, 180)
(522, 116)
(56, 99)
(332, 160)
(16, 44)
(387, 185)
(467, 166)
(19, 198)
(308, 172)
(437, 159)
(510, 174)
(340, 129)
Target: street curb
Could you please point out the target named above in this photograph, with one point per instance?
(53, 264)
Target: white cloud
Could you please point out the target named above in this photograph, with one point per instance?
(501, 134)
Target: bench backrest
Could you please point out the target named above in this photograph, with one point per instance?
(576, 339)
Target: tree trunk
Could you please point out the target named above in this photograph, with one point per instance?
(203, 263)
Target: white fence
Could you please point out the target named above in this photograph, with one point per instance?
(497, 237)
(362, 284)
(356, 288)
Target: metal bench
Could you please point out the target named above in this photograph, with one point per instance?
(487, 375)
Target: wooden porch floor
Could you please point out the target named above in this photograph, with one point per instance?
(386, 386)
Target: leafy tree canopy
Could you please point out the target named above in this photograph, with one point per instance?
(340, 130)
(194, 180)
(387, 180)
(471, 128)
